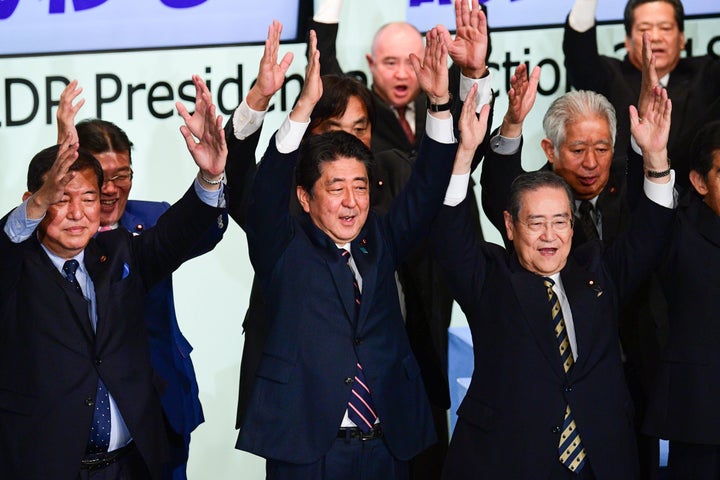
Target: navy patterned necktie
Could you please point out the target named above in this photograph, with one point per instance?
(99, 440)
(361, 409)
(570, 448)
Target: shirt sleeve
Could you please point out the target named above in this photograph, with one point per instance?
(328, 12)
(505, 145)
(246, 121)
(582, 15)
(662, 193)
(289, 135)
(440, 129)
(484, 89)
(18, 227)
(457, 189)
(214, 198)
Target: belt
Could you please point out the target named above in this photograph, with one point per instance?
(355, 432)
(96, 461)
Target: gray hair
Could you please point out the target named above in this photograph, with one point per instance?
(573, 106)
(532, 181)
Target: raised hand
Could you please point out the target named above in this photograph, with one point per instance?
(521, 98)
(271, 74)
(472, 131)
(210, 150)
(67, 111)
(312, 88)
(649, 75)
(469, 48)
(652, 130)
(432, 73)
(56, 179)
(196, 121)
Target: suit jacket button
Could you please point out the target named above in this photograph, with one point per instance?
(349, 381)
(556, 429)
(90, 401)
(98, 361)
(358, 341)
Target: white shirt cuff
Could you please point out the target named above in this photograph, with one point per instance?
(661, 193)
(289, 135)
(582, 15)
(457, 189)
(246, 121)
(328, 12)
(440, 129)
(484, 89)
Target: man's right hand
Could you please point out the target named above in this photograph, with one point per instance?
(67, 111)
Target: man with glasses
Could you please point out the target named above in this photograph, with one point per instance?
(169, 349)
(548, 396)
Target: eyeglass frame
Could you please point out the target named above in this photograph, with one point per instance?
(534, 225)
(124, 178)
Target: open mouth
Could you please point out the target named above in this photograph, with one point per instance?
(547, 252)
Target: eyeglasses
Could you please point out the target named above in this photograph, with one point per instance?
(122, 180)
(557, 225)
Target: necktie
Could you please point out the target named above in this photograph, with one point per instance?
(570, 448)
(586, 222)
(405, 124)
(361, 409)
(100, 430)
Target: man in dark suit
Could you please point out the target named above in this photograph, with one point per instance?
(400, 108)
(79, 397)
(693, 83)
(548, 396)
(169, 349)
(330, 341)
(683, 407)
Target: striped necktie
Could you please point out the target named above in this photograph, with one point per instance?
(570, 448)
(361, 409)
(99, 440)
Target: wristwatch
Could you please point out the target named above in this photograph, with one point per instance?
(439, 107)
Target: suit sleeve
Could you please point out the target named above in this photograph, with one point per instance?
(457, 250)
(240, 170)
(586, 68)
(410, 214)
(327, 39)
(164, 247)
(498, 173)
(268, 218)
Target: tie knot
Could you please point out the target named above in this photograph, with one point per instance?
(549, 282)
(70, 267)
(586, 207)
(401, 111)
(344, 253)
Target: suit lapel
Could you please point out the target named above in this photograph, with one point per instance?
(583, 291)
(77, 302)
(97, 265)
(366, 260)
(532, 297)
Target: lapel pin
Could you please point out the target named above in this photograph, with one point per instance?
(103, 259)
(596, 288)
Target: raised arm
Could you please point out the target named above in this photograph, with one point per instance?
(521, 98)
(56, 179)
(651, 134)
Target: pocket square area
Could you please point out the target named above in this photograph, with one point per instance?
(126, 270)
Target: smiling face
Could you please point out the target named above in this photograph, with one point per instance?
(70, 223)
(354, 121)
(340, 199)
(667, 41)
(543, 252)
(394, 79)
(585, 157)
(115, 194)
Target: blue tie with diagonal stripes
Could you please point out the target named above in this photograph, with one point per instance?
(360, 406)
(99, 440)
(570, 448)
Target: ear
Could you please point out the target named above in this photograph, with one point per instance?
(698, 182)
(370, 61)
(509, 225)
(549, 149)
(303, 198)
(682, 41)
(26, 195)
(628, 41)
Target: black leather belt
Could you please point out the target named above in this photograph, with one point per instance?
(96, 461)
(355, 432)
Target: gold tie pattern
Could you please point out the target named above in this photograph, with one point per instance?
(570, 448)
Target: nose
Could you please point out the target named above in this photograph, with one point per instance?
(548, 233)
(404, 70)
(108, 188)
(349, 198)
(75, 210)
(590, 161)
